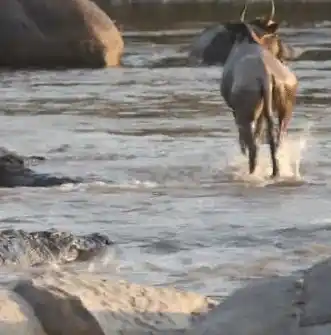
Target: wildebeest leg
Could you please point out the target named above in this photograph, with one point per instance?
(272, 144)
(285, 104)
(259, 129)
(259, 123)
(242, 142)
(249, 140)
(284, 121)
(268, 114)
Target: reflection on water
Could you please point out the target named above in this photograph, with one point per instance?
(158, 150)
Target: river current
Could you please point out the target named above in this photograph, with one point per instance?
(164, 179)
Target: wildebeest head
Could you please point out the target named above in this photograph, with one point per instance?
(264, 31)
(214, 44)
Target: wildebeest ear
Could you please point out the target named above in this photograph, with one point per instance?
(272, 27)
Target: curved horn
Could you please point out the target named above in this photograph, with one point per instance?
(243, 12)
(272, 14)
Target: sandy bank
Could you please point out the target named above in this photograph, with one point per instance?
(71, 303)
(79, 304)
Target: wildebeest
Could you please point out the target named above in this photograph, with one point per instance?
(254, 84)
(214, 44)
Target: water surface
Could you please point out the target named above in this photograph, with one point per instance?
(158, 150)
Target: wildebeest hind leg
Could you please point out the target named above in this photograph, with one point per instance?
(272, 144)
(248, 137)
(285, 104)
(242, 141)
(259, 130)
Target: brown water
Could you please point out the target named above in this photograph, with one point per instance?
(164, 178)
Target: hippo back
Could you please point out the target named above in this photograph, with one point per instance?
(211, 46)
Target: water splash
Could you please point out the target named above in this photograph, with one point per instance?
(290, 156)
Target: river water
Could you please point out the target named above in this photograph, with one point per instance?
(157, 148)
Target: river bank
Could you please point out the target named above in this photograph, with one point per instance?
(55, 302)
(155, 14)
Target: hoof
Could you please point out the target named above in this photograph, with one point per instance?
(274, 175)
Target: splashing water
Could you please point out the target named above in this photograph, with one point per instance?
(289, 158)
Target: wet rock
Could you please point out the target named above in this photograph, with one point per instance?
(107, 306)
(59, 312)
(16, 316)
(15, 173)
(57, 33)
(316, 297)
(265, 307)
(36, 248)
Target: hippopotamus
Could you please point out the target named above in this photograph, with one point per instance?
(14, 172)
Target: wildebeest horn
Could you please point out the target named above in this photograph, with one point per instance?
(272, 14)
(243, 12)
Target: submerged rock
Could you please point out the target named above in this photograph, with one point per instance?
(36, 248)
(15, 173)
(57, 33)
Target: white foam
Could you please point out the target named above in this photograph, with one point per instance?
(101, 185)
(289, 158)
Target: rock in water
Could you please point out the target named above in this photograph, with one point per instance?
(57, 33)
(15, 173)
(36, 248)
